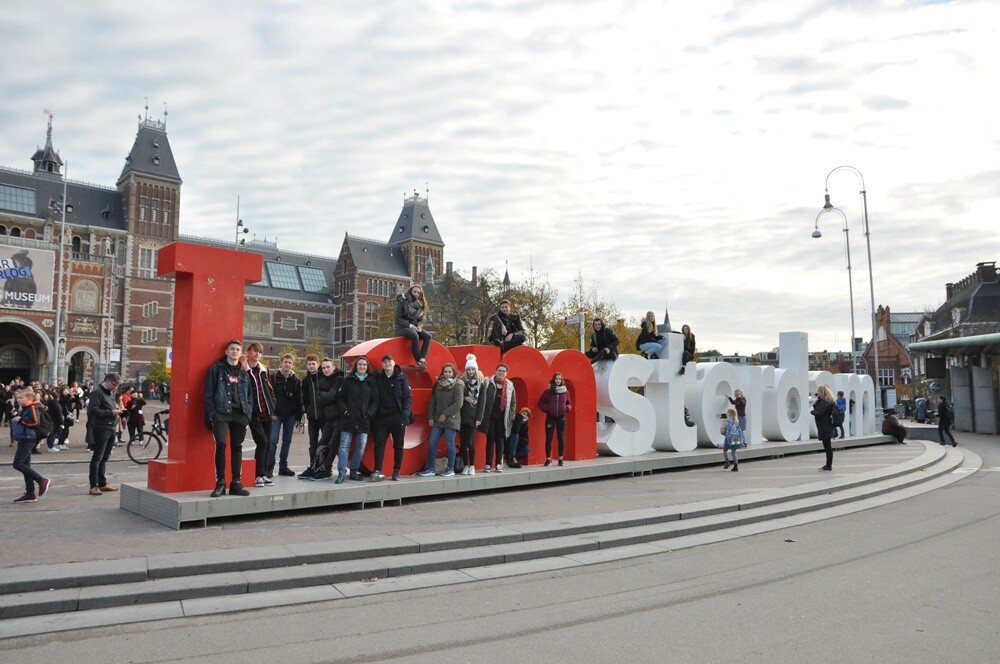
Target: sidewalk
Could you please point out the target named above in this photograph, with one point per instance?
(70, 526)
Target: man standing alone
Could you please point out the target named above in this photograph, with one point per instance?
(102, 414)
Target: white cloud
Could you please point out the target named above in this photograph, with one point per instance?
(669, 150)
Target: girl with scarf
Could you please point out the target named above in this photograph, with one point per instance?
(445, 416)
(555, 404)
(474, 382)
(495, 415)
(357, 401)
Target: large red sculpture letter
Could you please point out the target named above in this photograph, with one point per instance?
(208, 312)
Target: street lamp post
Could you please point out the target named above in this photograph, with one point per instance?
(64, 208)
(871, 279)
(240, 228)
(850, 280)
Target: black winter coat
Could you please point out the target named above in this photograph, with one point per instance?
(821, 411)
(287, 395)
(605, 338)
(328, 389)
(357, 402)
(310, 395)
(397, 388)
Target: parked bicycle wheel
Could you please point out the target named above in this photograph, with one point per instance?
(141, 451)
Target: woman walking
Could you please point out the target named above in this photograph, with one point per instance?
(555, 403)
(357, 401)
(411, 310)
(822, 410)
(444, 417)
(24, 429)
(945, 420)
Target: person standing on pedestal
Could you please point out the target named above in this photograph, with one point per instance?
(262, 398)
(395, 412)
(227, 411)
(287, 413)
(312, 409)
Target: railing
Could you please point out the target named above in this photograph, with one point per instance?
(30, 243)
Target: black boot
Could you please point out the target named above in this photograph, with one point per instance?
(236, 489)
(220, 489)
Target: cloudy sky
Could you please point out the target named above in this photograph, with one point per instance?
(674, 151)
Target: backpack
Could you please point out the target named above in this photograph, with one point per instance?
(45, 426)
(836, 415)
(736, 439)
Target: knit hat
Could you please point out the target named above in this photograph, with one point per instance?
(524, 411)
(470, 362)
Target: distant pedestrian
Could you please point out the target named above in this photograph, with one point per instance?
(740, 402)
(842, 405)
(946, 419)
(24, 425)
(892, 427)
(821, 411)
(733, 439)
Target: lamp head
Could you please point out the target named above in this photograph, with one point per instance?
(828, 205)
(69, 208)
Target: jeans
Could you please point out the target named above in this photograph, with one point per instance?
(22, 464)
(420, 349)
(345, 448)
(104, 438)
(449, 439)
(286, 425)
(742, 419)
(384, 426)
(557, 425)
(53, 438)
(235, 424)
(654, 347)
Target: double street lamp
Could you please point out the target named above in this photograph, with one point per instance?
(850, 280)
(827, 206)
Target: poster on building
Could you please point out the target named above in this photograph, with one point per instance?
(26, 278)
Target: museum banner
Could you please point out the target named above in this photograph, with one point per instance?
(26, 278)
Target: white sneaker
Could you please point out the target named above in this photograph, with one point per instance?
(259, 482)
(268, 481)
(486, 469)
(55, 449)
(472, 470)
(499, 467)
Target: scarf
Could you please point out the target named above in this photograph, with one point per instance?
(559, 389)
(446, 383)
(502, 387)
(472, 388)
(360, 376)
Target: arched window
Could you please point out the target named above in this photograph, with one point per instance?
(77, 246)
(86, 296)
(15, 232)
(3, 230)
(30, 233)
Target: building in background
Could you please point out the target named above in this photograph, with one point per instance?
(114, 310)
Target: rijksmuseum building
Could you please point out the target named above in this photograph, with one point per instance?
(78, 265)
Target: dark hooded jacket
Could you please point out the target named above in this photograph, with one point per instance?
(357, 401)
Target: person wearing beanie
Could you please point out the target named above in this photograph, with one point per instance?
(474, 382)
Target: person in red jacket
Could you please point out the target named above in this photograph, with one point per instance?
(555, 403)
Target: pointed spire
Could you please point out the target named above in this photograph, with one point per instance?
(46, 159)
(506, 276)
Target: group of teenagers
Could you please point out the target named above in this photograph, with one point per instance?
(341, 409)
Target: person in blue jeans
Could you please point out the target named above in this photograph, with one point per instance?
(357, 402)
(288, 410)
(444, 415)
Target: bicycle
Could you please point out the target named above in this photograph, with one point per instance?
(150, 444)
